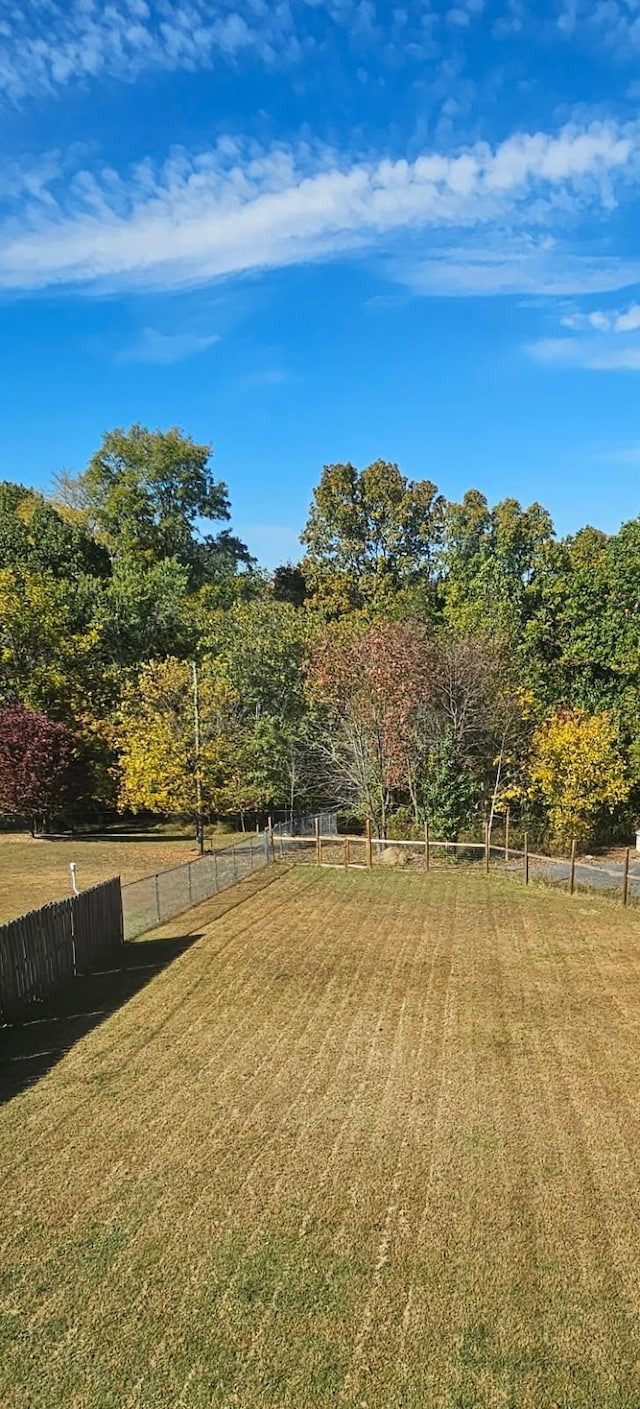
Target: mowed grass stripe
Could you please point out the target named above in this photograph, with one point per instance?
(121, 1041)
(316, 1043)
(585, 1305)
(361, 1100)
(371, 1141)
(165, 1135)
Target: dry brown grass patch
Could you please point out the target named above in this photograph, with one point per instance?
(372, 1141)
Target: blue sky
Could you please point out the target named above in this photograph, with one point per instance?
(320, 230)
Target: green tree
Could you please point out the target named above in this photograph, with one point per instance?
(581, 648)
(147, 493)
(144, 612)
(49, 646)
(450, 790)
(261, 646)
(370, 533)
(492, 560)
(35, 537)
(288, 584)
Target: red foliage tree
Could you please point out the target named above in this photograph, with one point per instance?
(371, 683)
(35, 759)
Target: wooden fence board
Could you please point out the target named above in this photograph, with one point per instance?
(44, 950)
(98, 931)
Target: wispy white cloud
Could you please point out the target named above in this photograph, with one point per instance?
(29, 179)
(43, 48)
(605, 320)
(163, 349)
(592, 354)
(507, 263)
(605, 340)
(237, 209)
(614, 23)
(47, 45)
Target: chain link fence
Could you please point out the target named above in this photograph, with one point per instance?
(305, 826)
(155, 899)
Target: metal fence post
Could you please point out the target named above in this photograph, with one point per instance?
(235, 866)
(487, 847)
(369, 844)
(625, 879)
(190, 886)
(316, 826)
(506, 835)
(215, 871)
(158, 896)
(526, 858)
(572, 869)
(427, 849)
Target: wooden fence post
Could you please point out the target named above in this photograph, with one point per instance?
(345, 852)
(427, 854)
(369, 844)
(487, 847)
(318, 842)
(625, 879)
(572, 871)
(506, 835)
(526, 858)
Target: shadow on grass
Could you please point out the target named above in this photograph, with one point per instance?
(29, 1049)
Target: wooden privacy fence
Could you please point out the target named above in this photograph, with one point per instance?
(44, 950)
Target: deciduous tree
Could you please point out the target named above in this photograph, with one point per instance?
(577, 772)
(161, 768)
(36, 756)
(368, 682)
(370, 533)
(147, 493)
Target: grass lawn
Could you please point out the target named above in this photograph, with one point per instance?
(35, 872)
(372, 1141)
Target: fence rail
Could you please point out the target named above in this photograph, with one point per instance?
(614, 879)
(45, 949)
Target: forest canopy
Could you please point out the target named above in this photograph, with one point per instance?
(424, 660)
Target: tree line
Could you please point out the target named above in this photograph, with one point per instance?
(424, 660)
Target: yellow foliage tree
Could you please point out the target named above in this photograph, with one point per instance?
(576, 771)
(161, 769)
